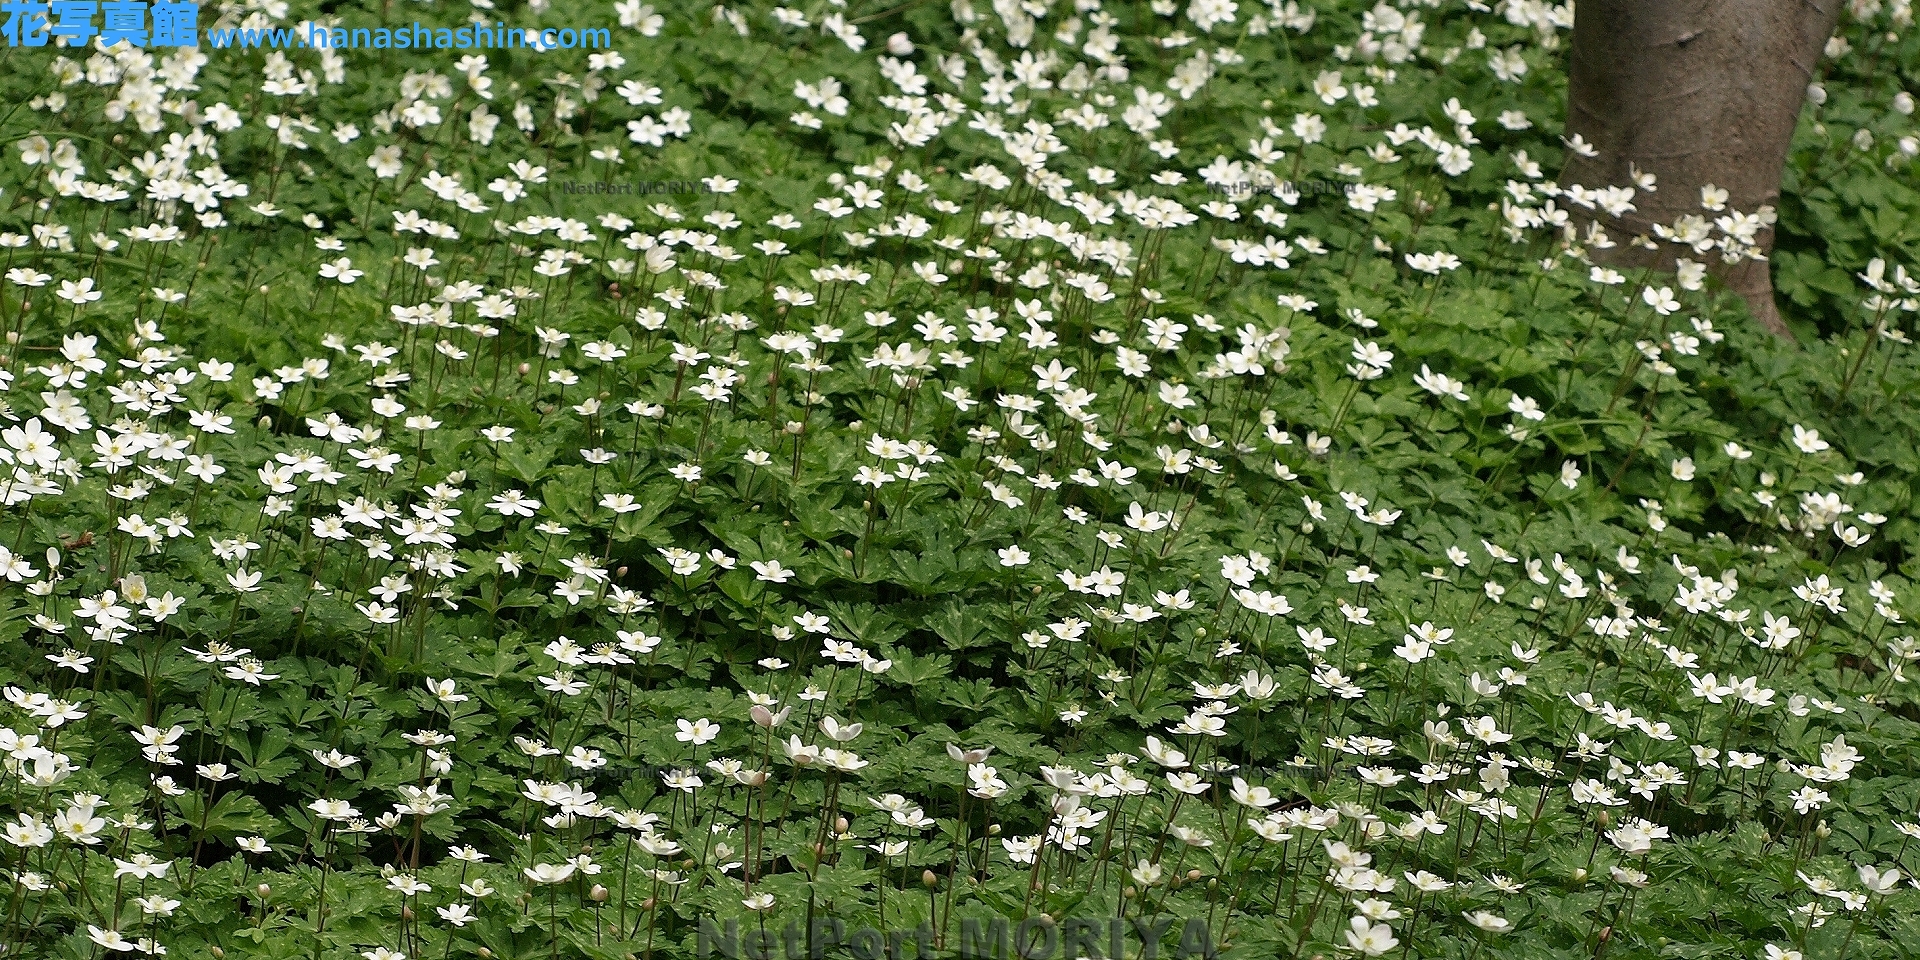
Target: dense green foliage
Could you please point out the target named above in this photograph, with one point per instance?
(1083, 459)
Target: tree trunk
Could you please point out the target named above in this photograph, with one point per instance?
(1694, 92)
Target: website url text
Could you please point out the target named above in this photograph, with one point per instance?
(419, 37)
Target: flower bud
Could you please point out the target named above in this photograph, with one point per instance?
(218, 954)
(928, 879)
(598, 894)
(264, 890)
(840, 825)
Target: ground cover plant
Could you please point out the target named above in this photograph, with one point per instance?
(909, 465)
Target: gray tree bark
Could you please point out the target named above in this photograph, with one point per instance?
(1695, 92)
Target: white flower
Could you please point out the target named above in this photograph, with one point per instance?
(110, 939)
(1878, 881)
(1569, 474)
(1660, 299)
(1808, 441)
(545, 873)
(1636, 836)
(333, 809)
(1490, 922)
(1370, 940)
(837, 731)
(82, 292)
(697, 732)
(1433, 263)
(341, 270)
